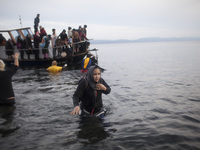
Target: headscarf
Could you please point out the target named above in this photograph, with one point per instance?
(90, 78)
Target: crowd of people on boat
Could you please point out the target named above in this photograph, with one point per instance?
(70, 42)
(64, 44)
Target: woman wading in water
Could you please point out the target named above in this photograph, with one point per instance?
(89, 94)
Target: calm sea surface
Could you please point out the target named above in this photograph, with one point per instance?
(154, 103)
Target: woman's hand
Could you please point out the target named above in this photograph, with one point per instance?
(76, 110)
(101, 87)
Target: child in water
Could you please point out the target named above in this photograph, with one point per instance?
(89, 93)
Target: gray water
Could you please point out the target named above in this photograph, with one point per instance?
(154, 103)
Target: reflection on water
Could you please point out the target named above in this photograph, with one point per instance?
(91, 130)
(7, 125)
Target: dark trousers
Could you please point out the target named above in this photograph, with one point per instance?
(22, 54)
(54, 52)
(36, 52)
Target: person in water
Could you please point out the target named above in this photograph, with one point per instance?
(7, 96)
(87, 63)
(89, 93)
(54, 68)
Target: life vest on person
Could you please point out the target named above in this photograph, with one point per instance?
(86, 63)
(54, 69)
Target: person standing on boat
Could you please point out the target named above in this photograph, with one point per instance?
(83, 44)
(36, 45)
(9, 48)
(45, 45)
(89, 94)
(82, 34)
(64, 37)
(7, 96)
(53, 42)
(28, 45)
(75, 41)
(85, 30)
(2, 39)
(42, 32)
(20, 46)
(70, 34)
(36, 22)
(64, 42)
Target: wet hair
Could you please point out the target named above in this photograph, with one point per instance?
(2, 65)
(54, 62)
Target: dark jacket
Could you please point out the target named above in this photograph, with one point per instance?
(89, 97)
(36, 21)
(6, 89)
(9, 48)
(28, 45)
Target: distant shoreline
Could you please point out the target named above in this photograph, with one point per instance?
(152, 39)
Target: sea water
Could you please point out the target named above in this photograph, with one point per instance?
(154, 102)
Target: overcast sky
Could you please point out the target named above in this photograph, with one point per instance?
(108, 19)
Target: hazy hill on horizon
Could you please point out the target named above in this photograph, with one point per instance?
(150, 39)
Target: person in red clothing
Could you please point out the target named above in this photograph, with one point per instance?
(7, 96)
(82, 34)
(42, 32)
(75, 41)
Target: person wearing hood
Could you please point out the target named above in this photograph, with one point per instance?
(89, 93)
